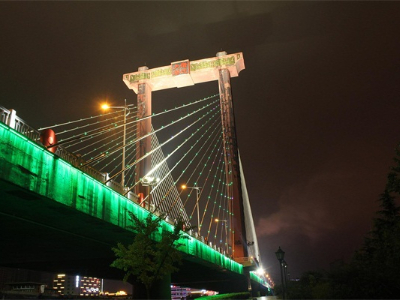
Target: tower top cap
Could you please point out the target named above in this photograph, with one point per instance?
(144, 68)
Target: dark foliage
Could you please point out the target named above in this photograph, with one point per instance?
(374, 270)
(377, 263)
(147, 259)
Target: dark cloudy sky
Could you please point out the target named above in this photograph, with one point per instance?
(317, 107)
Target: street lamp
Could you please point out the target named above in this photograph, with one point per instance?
(280, 255)
(197, 203)
(151, 182)
(226, 231)
(285, 270)
(285, 273)
(125, 107)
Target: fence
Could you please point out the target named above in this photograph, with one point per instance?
(10, 118)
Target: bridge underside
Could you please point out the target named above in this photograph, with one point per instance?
(41, 234)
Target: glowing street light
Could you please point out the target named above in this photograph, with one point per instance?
(197, 188)
(105, 106)
(260, 271)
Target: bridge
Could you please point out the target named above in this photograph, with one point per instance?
(65, 195)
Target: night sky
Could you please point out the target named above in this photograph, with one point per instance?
(317, 107)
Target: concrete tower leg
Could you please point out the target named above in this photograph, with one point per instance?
(143, 128)
(237, 235)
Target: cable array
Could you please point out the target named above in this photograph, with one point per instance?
(186, 148)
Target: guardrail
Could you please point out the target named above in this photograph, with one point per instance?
(10, 118)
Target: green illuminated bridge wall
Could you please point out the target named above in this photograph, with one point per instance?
(33, 168)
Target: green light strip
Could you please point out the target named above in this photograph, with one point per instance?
(256, 278)
(56, 179)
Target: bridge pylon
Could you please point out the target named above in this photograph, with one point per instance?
(186, 73)
(237, 236)
(142, 132)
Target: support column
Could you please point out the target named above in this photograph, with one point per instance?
(237, 235)
(143, 128)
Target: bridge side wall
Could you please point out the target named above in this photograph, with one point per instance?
(33, 168)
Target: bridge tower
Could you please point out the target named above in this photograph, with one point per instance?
(238, 233)
(143, 130)
(186, 73)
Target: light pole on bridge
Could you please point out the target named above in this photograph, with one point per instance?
(226, 232)
(125, 107)
(198, 189)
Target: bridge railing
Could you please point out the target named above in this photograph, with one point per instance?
(10, 118)
(4, 115)
(78, 162)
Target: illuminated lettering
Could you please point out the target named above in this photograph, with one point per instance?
(161, 72)
(229, 61)
(138, 76)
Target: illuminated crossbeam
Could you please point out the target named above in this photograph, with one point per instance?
(185, 73)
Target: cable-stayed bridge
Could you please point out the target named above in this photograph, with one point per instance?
(131, 158)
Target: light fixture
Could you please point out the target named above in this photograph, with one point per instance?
(260, 271)
(150, 180)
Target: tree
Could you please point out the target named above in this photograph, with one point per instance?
(373, 271)
(146, 258)
(378, 261)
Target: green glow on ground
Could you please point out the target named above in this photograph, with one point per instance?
(32, 167)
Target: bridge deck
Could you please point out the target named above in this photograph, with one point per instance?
(56, 201)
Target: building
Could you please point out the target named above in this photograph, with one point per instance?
(10, 275)
(178, 293)
(90, 286)
(77, 285)
(24, 289)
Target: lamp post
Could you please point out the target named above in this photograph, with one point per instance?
(197, 188)
(285, 273)
(226, 231)
(280, 255)
(125, 107)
